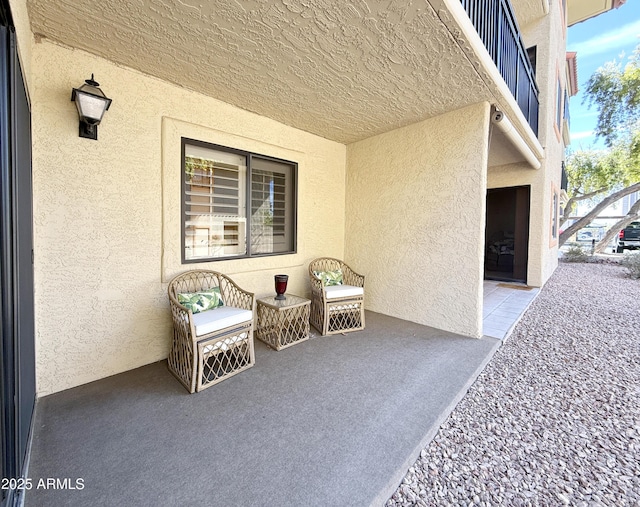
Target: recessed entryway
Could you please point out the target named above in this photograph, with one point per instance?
(507, 234)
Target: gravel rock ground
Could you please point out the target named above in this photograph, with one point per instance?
(554, 419)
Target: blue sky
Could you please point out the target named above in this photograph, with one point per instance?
(599, 40)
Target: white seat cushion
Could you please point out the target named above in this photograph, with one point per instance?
(219, 318)
(343, 291)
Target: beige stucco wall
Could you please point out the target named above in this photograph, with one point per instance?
(23, 35)
(548, 35)
(518, 175)
(106, 212)
(412, 195)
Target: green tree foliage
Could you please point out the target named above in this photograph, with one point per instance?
(615, 91)
(585, 170)
(606, 176)
(593, 173)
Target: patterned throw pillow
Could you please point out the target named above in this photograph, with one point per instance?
(330, 277)
(201, 301)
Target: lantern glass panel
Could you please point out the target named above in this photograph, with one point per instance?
(90, 107)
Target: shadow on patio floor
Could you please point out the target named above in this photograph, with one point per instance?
(335, 420)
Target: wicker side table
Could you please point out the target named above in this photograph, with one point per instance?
(282, 323)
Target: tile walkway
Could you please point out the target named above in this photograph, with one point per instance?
(504, 304)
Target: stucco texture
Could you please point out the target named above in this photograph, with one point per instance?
(105, 212)
(342, 69)
(548, 35)
(415, 219)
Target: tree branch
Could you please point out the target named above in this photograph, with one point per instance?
(588, 218)
(633, 214)
(590, 194)
(568, 209)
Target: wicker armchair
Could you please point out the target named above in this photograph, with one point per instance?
(212, 345)
(337, 306)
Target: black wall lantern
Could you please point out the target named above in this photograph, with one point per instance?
(91, 104)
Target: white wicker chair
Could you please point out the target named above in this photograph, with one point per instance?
(337, 308)
(218, 343)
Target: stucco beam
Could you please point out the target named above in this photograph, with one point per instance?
(500, 121)
(527, 11)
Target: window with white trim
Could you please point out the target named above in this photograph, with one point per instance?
(236, 203)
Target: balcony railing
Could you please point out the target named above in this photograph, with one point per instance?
(497, 27)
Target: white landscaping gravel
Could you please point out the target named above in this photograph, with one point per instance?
(554, 419)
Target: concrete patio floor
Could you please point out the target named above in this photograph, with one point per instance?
(335, 420)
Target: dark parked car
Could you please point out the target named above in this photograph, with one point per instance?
(629, 238)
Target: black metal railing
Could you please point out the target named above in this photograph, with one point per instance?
(497, 27)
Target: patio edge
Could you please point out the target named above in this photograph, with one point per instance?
(393, 483)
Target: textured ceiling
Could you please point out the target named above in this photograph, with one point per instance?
(341, 69)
